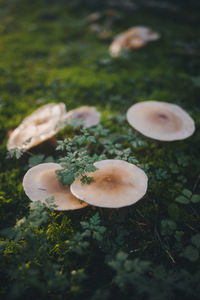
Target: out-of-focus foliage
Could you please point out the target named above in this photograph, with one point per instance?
(133, 4)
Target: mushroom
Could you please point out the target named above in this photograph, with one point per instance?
(160, 120)
(88, 114)
(117, 183)
(40, 183)
(93, 17)
(95, 28)
(133, 38)
(40, 126)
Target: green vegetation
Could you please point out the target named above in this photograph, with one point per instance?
(150, 250)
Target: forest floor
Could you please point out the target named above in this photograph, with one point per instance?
(48, 53)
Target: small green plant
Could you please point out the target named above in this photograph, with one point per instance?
(15, 152)
(188, 197)
(38, 159)
(74, 165)
(92, 230)
(192, 251)
(168, 227)
(161, 174)
(128, 272)
(81, 151)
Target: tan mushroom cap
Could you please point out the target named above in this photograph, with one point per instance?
(88, 114)
(160, 120)
(93, 17)
(40, 183)
(133, 38)
(40, 126)
(117, 183)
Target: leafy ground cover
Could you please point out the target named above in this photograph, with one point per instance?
(150, 250)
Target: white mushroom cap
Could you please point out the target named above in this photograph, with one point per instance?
(145, 33)
(40, 126)
(117, 183)
(88, 114)
(160, 120)
(40, 183)
(133, 38)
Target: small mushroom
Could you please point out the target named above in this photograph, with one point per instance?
(88, 114)
(95, 27)
(160, 120)
(94, 17)
(40, 126)
(117, 183)
(133, 38)
(40, 183)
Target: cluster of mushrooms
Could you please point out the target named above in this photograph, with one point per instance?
(116, 183)
(46, 121)
(131, 39)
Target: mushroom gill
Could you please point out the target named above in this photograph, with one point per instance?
(38, 127)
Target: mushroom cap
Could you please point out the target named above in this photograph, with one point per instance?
(145, 33)
(133, 38)
(88, 114)
(40, 183)
(117, 183)
(93, 17)
(160, 120)
(40, 126)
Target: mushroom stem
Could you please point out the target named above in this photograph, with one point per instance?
(78, 130)
(159, 144)
(101, 211)
(53, 142)
(110, 215)
(30, 153)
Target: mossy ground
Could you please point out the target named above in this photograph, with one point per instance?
(48, 54)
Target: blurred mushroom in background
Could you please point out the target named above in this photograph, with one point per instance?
(102, 22)
(133, 38)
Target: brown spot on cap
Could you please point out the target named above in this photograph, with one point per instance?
(165, 119)
(111, 179)
(117, 183)
(89, 115)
